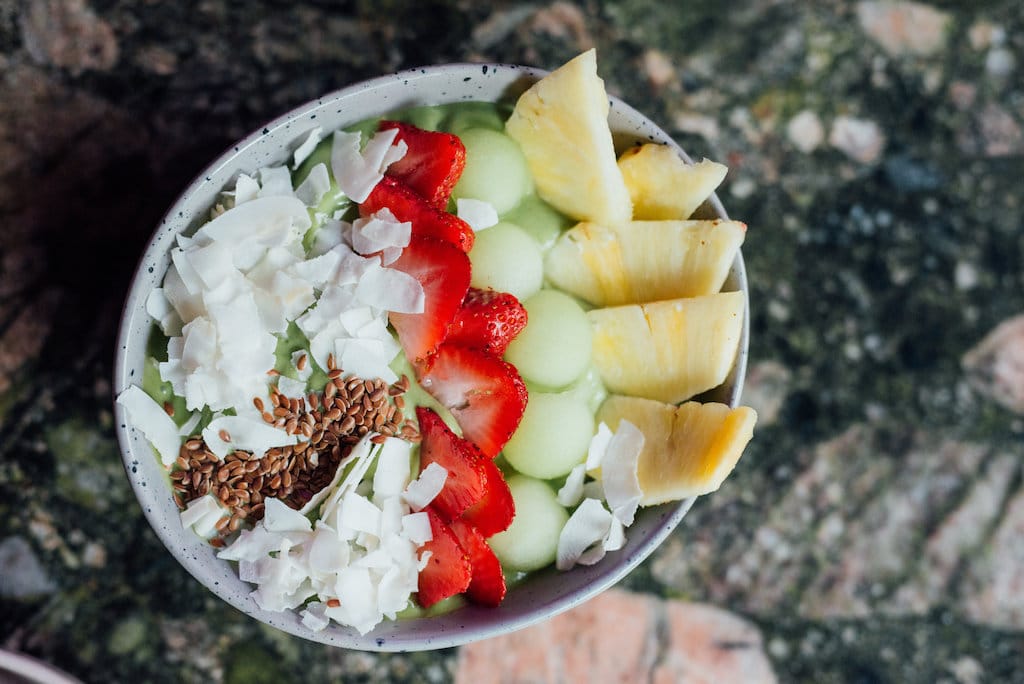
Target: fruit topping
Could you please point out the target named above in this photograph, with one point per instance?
(443, 271)
(488, 321)
(467, 480)
(663, 186)
(644, 261)
(484, 393)
(688, 450)
(668, 350)
(427, 220)
(448, 571)
(561, 123)
(432, 164)
(494, 512)
(487, 586)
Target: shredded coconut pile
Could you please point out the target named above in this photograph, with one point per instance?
(233, 287)
(359, 558)
(605, 506)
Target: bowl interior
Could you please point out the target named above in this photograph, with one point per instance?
(542, 595)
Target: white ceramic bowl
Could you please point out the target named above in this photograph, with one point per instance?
(544, 595)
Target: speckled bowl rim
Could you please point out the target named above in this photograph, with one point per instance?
(548, 592)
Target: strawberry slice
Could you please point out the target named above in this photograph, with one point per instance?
(432, 164)
(485, 394)
(448, 571)
(466, 483)
(444, 273)
(494, 512)
(487, 320)
(427, 220)
(487, 586)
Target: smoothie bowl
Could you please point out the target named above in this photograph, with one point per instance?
(397, 373)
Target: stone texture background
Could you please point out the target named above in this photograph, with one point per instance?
(874, 532)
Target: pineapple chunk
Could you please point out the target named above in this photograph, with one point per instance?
(688, 450)
(663, 186)
(668, 350)
(561, 124)
(644, 261)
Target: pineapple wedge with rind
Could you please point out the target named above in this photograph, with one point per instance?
(644, 261)
(561, 124)
(688, 450)
(669, 350)
(662, 185)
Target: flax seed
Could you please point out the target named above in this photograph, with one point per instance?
(400, 402)
(258, 403)
(169, 408)
(335, 373)
(273, 372)
(224, 435)
(333, 603)
(301, 363)
(193, 444)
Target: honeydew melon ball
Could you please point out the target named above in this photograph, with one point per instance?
(554, 348)
(552, 437)
(495, 171)
(531, 541)
(505, 258)
(540, 220)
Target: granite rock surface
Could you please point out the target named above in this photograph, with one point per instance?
(873, 531)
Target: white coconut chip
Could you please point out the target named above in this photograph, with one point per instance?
(202, 515)
(314, 617)
(416, 528)
(598, 447)
(424, 488)
(275, 181)
(317, 271)
(315, 186)
(247, 189)
(245, 434)
(380, 231)
(305, 149)
(160, 310)
(587, 526)
(571, 493)
(619, 472)
(279, 517)
(366, 357)
(291, 388)
(392, 474)
(391, 290)
(357, 173)
(477, 213)
(150, 418)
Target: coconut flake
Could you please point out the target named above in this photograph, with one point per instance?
(291, 388)
(366, 358)
(424, 488)
(357, 173)
(245, 434)
(314, 617)
(202, 515)
(306, 371)
(477, 213)
(380, 231)
(279, 517)
(150, 418)
(189, 426)
(246, 189)
(587, 526)
(392, 474)
(315, 186)
(160, 310)
(391, 290)
(619, 472)
(307, 146)
(571, 492)
(416, 528)
(275, 181)
(359, 514)
(598, 447)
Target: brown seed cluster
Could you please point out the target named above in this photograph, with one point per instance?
(331, 423)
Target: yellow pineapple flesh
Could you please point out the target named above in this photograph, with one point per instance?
(669, 350)
(561, 124)
(644, 261)
(663, 186)
(688, 450)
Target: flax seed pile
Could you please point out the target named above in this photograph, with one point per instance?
(332, 422)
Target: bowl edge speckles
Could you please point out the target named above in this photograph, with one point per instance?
(543, 596)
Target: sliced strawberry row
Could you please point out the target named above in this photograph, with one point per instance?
(432, 163)
(475, 503)
(448, 571)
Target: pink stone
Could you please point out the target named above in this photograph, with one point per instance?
(904, 28)
(616, 638)
(995, 367)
